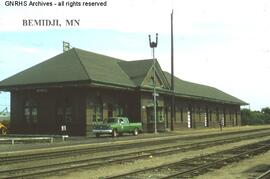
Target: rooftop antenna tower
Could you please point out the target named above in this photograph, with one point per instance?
(66, 46)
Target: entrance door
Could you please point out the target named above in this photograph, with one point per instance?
(150, 118)
(236, 120)
(224, 118)
(166, 118)
(159, 118)
(64, 118)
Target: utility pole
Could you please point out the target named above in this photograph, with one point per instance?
(153, 45)
(172, 76)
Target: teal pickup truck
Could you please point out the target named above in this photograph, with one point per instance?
(117, 126)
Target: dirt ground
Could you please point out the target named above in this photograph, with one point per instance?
(246, 169)
(232, 172)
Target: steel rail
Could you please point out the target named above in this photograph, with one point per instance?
(222, 162)
(122, 157)
(74, 152)
(213, 159)
(265, 175)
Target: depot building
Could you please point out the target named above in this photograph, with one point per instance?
(79, 88)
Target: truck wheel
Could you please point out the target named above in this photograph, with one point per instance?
(4, 131)
(97, 135)
(114, 133)
(136, 132)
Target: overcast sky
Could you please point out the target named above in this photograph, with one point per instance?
(221, 43)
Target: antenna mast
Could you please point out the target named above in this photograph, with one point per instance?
(172, 76)
(66, 46)
(153, 45)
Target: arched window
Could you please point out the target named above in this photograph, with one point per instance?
(31, 112)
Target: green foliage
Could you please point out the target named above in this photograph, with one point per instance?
(255, 117)
(266, 115)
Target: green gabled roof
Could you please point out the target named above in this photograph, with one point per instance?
(137, 70)
(193, 90)
(74, 65)
(162, 76)
(78, 66)
(103, 69)
(65, 67)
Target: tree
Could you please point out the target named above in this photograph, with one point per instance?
(266, 110)
(266, 115)
(251, 117)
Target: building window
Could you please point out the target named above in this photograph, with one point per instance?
(97, 117)
(217, 115)
(224, 118)
(31, 112)
(236, 118)
(110, 110)
(200, 114)
(68, 113)
(160, 116)
(181, 115)
(120, 110)
(98, 109)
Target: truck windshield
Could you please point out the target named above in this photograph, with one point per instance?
(111, 120)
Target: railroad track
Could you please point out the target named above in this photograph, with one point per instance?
(265, 175)
(126, 157)
(198, 165)
(90, 150)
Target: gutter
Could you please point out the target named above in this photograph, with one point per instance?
(95, 83)
(111, 85)
(67, 84)
(168, 92)
(44, 85)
